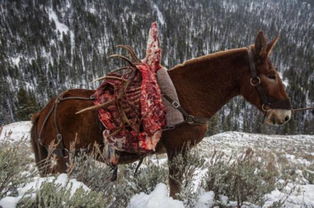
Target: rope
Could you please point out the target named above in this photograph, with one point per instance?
(302, 109)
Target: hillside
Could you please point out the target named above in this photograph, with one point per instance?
(49, 46)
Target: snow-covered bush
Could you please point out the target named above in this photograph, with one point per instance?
(242, 178)
(14, 163)
(118, 193)
(52, 195)
(92, 173)
(188, 166)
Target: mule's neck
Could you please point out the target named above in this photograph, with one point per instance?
(206, 83)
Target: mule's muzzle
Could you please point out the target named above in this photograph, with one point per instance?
(277, 116)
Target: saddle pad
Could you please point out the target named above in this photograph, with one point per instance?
(173, 116)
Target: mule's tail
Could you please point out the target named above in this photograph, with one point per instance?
(40, 151)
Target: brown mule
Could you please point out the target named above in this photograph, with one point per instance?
(204, 85)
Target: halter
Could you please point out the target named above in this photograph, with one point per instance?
(267, 101)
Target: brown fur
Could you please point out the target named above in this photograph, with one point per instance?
(203, 84)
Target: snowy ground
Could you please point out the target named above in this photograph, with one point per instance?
(62, 181)
(297, 151)
(16, 131)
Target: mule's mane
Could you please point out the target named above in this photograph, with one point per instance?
(209, 57)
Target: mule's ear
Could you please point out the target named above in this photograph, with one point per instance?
(261, 45)
(271, 45)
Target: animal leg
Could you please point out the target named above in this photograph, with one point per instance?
(41, 153)
(58, 161)
(176, 163)
(41, 159)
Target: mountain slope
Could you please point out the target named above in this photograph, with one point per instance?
(47, 47)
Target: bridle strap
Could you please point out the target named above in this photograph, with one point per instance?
(267, 102)
(255, 79)
(252, 63)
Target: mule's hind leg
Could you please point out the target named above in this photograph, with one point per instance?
(58, 161)
(48, 160)
(41, 157)
(41, 153)
(52, 162)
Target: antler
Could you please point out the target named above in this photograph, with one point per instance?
(132, 63)
(124, 58)
(112, 77)
(109, 77)
(131, 52)
(103, 105)
(135, 60)
(95, 107)
(121, 68)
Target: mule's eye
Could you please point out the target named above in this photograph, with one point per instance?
(271, 76)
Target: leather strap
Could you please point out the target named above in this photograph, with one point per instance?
(60, 150)
(188, 118)
(267, 101)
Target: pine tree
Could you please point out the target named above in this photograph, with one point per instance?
(26, 105)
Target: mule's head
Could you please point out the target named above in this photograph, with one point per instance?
(264, 88)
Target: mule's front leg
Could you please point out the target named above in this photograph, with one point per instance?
(176, 161)
(177, 144)
(174, 181)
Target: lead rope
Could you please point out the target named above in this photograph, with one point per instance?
(302, 109)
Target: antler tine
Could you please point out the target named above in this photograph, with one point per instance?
(95, 107)
(109, 77)
(119, 69)
(131, 52)
(122, 57)
(99, 78)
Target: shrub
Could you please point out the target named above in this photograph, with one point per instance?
(53, 195)
(188, 165)
(92, 173)
(14, 167)
(244, 178)
(117, 193)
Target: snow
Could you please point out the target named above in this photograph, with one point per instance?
(9, 202)
(295, 148)
(156, 199)
(293, 196)
(160, 17)
(235, 140)
(92, 10)
(206, 200)
(16, 131)
(198, 178)
(29, 189)
(16, 60)
(223, 199)
(62, 28)
(62, 180)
